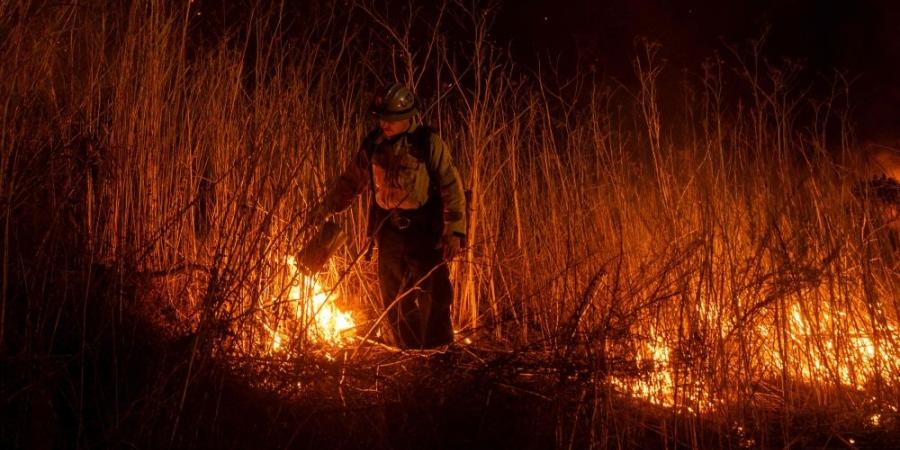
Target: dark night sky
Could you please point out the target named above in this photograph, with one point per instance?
(852, 33)
(859, 37)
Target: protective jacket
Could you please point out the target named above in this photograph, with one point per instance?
(404, 176)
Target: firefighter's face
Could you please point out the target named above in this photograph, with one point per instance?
(391, 128)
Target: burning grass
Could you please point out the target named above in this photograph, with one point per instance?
(715, 274)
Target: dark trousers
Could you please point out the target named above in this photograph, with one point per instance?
(415, 286)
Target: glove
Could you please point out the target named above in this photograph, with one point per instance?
(317, 214)
(451, 245)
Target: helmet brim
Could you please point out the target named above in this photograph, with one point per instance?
(395, 116)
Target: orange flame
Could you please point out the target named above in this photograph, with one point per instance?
(313, 309)
(311, 300)
(808, 345)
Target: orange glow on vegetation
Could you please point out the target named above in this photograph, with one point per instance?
(307, 310)
(310, 299)
(821, 347)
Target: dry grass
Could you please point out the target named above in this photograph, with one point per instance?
(704, 257)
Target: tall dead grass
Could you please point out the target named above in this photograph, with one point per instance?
(719, 251)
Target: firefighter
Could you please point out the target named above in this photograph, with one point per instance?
(416, 217)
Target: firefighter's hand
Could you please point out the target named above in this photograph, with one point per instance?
(451, 245)
(317, 214)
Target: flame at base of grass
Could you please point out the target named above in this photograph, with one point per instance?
(312, 310)
(329, 323)
(822, 347)
(659, 383)
(657, 386)
(854, 358)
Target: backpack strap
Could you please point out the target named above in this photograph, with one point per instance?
(370, 144)
(421, 149)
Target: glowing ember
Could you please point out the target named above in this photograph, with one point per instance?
(875, 420)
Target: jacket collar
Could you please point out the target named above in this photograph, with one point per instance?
(405, 135)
